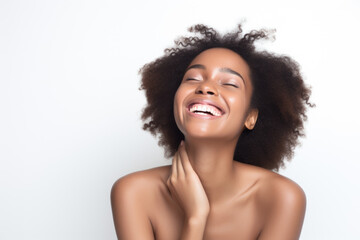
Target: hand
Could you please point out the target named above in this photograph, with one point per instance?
(185, 186)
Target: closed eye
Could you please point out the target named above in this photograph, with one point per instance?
(231, 84)
(192, 79)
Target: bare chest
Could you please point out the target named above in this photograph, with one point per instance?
(240, 220)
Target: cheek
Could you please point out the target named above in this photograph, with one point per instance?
(178, 99)
(238, 104)
(178, 115)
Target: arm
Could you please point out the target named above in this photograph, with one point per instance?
(186, 188)
(286, 213)
(130, 218)
(193, 229)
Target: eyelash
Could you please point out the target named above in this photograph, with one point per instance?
(227, 84)
(188, 79)
(230, 84)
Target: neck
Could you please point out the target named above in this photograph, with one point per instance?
(213, 162)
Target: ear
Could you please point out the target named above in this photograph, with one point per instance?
(251, 118)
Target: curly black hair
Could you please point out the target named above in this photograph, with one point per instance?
(279, 94)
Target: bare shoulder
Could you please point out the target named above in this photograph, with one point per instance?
(283, 203)
(283, 191)
(273, 186)
(140, 181)
(140, 185)
(130, 212)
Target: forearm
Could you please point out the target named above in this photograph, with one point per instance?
(193, 229)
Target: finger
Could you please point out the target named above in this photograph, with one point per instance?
(170, 189)
(168, 184)
(173, 167)
(185, 159)
(180, 168)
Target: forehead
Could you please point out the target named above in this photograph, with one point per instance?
(222, 57)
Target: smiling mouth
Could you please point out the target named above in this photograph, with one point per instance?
(204, 109)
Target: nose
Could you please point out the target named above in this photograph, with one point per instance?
(206, 88)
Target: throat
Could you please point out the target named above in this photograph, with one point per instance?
(211, 159)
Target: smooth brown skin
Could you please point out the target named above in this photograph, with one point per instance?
(205, 194)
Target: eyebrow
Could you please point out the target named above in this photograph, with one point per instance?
(227, 70)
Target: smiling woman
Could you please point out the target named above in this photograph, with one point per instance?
(227, 115)
(214, 81)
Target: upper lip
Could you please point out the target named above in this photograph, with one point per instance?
(204, 102)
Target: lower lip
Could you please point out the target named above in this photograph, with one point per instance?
(207, 116)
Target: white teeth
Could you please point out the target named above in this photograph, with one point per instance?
(205, 108)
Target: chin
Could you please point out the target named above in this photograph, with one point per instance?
(204, 134)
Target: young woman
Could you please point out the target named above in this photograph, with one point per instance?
(227, 115)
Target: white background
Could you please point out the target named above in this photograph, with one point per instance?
(70, 106)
